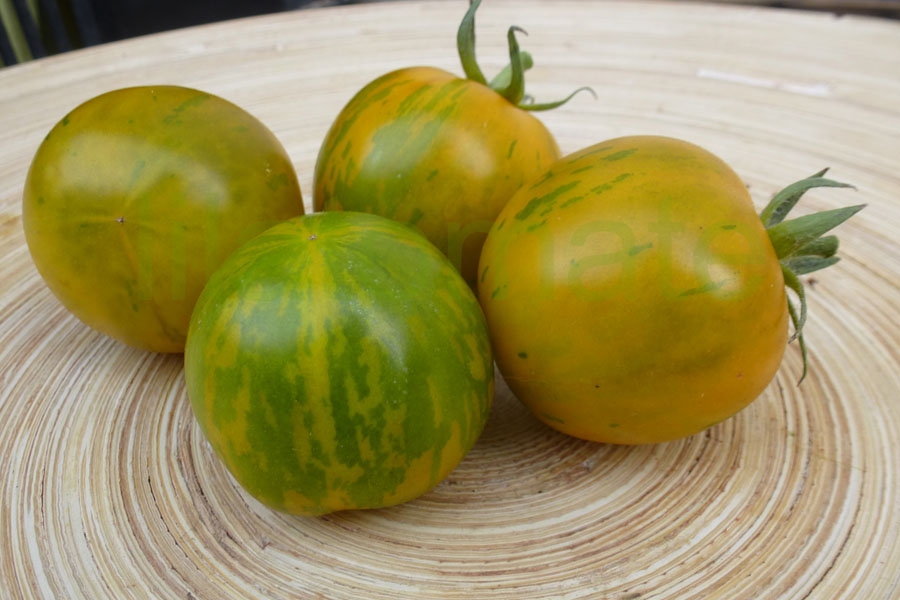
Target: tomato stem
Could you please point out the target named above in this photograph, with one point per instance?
(510, 82)
(800, 243)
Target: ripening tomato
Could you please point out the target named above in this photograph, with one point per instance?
(634, 295)
(136, 196)
(429, 149)
(338, 361)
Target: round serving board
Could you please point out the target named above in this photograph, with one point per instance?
(109, 490)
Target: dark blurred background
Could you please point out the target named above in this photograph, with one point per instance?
(36, 28)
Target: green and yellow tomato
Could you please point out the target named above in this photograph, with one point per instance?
(427, 148)
(634, 295)
(338, 361)
(138, 194)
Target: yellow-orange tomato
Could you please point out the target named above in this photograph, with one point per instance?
(136, 196)
(441, 153)
(424, 147)
(633, 294)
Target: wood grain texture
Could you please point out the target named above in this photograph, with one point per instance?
(108, 490)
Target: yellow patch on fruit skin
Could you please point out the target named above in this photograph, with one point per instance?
(450, 303)
(224, 338)
(250, 300)
(298, 504)
(476, 365)
(234, 432)
(417, 471)
(428, 468)
(451, 453)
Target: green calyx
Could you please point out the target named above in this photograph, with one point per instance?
(510, 82)
(801, 244)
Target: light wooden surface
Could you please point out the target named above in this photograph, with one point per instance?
(109, 491)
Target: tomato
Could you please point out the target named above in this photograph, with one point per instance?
(137, 195)
(634, 295)
(338, 361)
(427, 148)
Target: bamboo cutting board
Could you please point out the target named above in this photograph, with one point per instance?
(108, 490)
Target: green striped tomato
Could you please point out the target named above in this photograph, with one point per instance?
(338, 361)
(427, 148)
(137, 195)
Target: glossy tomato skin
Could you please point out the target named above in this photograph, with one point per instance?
(338, 361)
(632, 293)
(137, 195)
(426, 148)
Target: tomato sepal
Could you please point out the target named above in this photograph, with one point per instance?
(465, 45)
(797, 321)
(784, 201)
(503, 78)
(793, 237)
(514, 90)
(510, 82)
(793, 283)
(804, 265)
(529, 104)
(801, 244)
